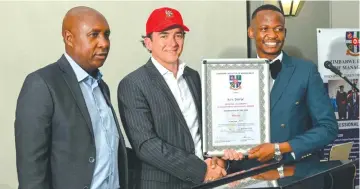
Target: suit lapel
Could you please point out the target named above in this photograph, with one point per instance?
(71, 80)
(193, 89)
(282, 80)
(106, 92)
(122, 146)
(160, 83)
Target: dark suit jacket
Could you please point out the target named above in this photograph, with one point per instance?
(300, 111)
(54, 139)
(350, 97)
(158, 131)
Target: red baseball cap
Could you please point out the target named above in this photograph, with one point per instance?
(163, 18)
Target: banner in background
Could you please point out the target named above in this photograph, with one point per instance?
(341, 48)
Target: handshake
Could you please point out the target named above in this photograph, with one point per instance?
(216, 166)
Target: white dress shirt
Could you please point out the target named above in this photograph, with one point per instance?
(272, 81)
(184, 99)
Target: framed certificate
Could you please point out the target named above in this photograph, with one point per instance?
(235, 103)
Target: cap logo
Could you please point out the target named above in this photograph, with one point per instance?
(169, 13)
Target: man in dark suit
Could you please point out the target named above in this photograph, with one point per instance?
(160, 108)
(341, 102)
(302, 118)
(66, 131)
(353, 104)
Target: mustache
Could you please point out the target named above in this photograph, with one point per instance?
(105, 53)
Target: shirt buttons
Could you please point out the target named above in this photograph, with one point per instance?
(91, 159)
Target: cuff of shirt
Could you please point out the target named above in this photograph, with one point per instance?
(293, 155)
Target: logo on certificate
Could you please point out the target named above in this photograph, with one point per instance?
(352, 43)
(235, 82)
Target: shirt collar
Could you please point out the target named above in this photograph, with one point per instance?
(280, 57)
(80, 73)
(163, 71)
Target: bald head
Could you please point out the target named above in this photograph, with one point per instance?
(86, 36)
(79, 14)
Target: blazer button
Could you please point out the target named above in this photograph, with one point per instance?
(282, 125)
(297, 102)
(86, 187)
(91, 159)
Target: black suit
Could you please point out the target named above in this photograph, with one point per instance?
(341, 104)
(55, 147)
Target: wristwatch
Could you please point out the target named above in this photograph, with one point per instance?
(281, 171)
(277, 155)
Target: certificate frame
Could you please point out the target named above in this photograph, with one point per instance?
(209, 65)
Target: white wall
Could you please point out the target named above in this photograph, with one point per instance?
(31, 38)
(301, 30)
(344, 14)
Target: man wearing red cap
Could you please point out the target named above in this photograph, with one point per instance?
(160, 108)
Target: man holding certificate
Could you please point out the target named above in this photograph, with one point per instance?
(160, 108)
(302, 120)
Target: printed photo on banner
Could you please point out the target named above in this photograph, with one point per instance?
(344, 98)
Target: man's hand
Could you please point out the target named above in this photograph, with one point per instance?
(231, 154)
(263, 152)
(212, 172)
(215, 161)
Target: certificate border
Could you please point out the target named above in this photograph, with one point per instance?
(229, 64)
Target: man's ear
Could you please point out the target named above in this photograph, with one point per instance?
(148, 43)
(251, 32)
(68, 38)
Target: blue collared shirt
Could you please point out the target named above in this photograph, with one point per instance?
(106, 135)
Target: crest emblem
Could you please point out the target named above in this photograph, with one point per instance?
(352, 43)
(235, 82)
(169, 13)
